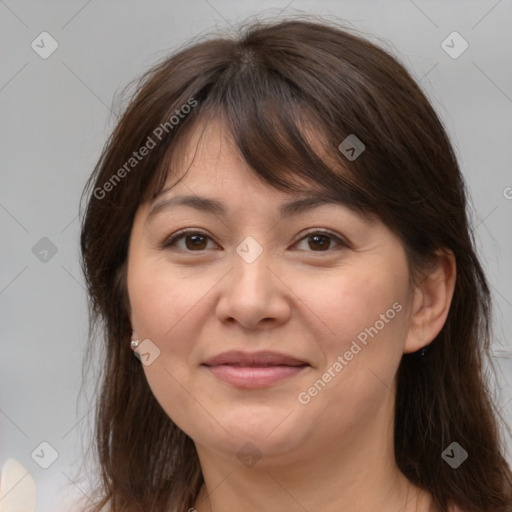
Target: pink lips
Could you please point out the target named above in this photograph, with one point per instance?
(256, 370)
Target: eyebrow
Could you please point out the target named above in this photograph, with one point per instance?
(208, 205)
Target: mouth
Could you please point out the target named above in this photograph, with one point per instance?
(256, 370)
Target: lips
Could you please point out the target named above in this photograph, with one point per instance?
(256, 359)
(254, 370)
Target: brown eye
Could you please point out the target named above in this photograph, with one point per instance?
(320, 241)
(195, 241)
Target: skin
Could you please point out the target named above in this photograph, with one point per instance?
(335, 452)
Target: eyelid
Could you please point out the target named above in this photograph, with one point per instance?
(178, 235)
(323, 231)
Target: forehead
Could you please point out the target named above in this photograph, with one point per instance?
(208, 157)
(205, 160)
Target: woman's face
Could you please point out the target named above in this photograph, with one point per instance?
(265, 337)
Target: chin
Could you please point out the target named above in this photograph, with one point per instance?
(267, 431)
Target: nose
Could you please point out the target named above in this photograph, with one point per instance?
(253, 295)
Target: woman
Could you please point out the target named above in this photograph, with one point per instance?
(277, 230)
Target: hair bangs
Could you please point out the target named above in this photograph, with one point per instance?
(280, 135)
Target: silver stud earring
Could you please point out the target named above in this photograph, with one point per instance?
(134, 343)
(423, 351)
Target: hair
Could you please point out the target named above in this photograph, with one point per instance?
(274, 85)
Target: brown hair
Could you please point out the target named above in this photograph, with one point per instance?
(269, 83)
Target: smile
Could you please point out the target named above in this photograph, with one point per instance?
(254, 376)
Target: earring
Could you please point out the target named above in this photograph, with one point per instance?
(134, 344)
(423, 351)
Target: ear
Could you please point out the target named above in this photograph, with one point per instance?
(431, 302)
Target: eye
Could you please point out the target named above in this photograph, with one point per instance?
(320, 241)
(197, 241)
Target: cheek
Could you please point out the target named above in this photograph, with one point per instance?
(367, 321)
(169, 308)
(163, 309)
(163, 303)
(366, 315)
(365, 303)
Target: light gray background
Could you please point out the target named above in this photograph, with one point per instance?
(56, 117)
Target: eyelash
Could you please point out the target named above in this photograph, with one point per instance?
(171, 241)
